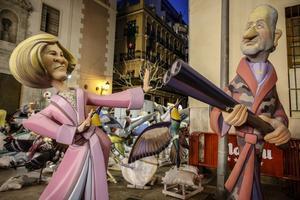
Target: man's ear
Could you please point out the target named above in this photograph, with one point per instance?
(278, 34)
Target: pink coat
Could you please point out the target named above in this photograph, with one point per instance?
(82, 172)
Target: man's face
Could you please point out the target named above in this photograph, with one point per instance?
(258, 36)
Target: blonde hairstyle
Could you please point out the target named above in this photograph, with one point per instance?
(26, 64)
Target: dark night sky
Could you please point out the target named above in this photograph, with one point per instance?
(183, 7)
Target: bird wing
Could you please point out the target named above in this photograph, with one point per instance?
(184, 113)
(151, 141)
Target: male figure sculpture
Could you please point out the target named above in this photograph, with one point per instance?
(254, 87)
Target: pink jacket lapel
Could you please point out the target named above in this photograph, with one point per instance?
(267, 85)
(65, 107)
(246, 74)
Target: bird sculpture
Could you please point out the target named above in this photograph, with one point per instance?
(159, 136)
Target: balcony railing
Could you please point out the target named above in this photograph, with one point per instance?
(152, 57)
(132, 55)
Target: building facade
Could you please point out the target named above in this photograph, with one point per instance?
(85, 27)
(148, 32)
(205, 44)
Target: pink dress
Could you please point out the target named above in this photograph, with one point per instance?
(82, 172)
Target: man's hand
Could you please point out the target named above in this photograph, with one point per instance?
(237, 117)
(280, 135)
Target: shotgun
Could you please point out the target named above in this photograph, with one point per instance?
(189, 82)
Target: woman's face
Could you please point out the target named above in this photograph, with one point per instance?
(55, 62)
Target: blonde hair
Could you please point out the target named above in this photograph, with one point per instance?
(26, 64)
(2, 117)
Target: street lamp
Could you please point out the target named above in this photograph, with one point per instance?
(103, 87)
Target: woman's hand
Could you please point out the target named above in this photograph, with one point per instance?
(146, 81)
(79, 139)
(86, 123)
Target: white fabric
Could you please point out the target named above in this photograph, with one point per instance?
(142, 171)
(88, 186)
(17, 182)
(185, 176)
(80, 185)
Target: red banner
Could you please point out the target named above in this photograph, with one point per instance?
(204, 152)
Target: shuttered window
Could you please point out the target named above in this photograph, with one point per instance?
(293, 50)
(50, 20)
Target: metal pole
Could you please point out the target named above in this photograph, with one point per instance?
(224, 73)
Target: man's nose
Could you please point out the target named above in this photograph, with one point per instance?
(250, 33)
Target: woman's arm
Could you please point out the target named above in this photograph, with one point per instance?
(131, 99)
(43, 123)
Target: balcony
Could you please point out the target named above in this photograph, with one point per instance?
(152, 57)
(132, 55)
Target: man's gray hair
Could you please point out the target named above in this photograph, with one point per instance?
(273, 15)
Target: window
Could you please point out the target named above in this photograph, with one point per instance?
(157, 100)
(148, 29)
(131, 38)
(293, 50)
(158, 56)
(158, 36)
(147, 97)
(50, 20)
(133, 2)
(166, 101)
